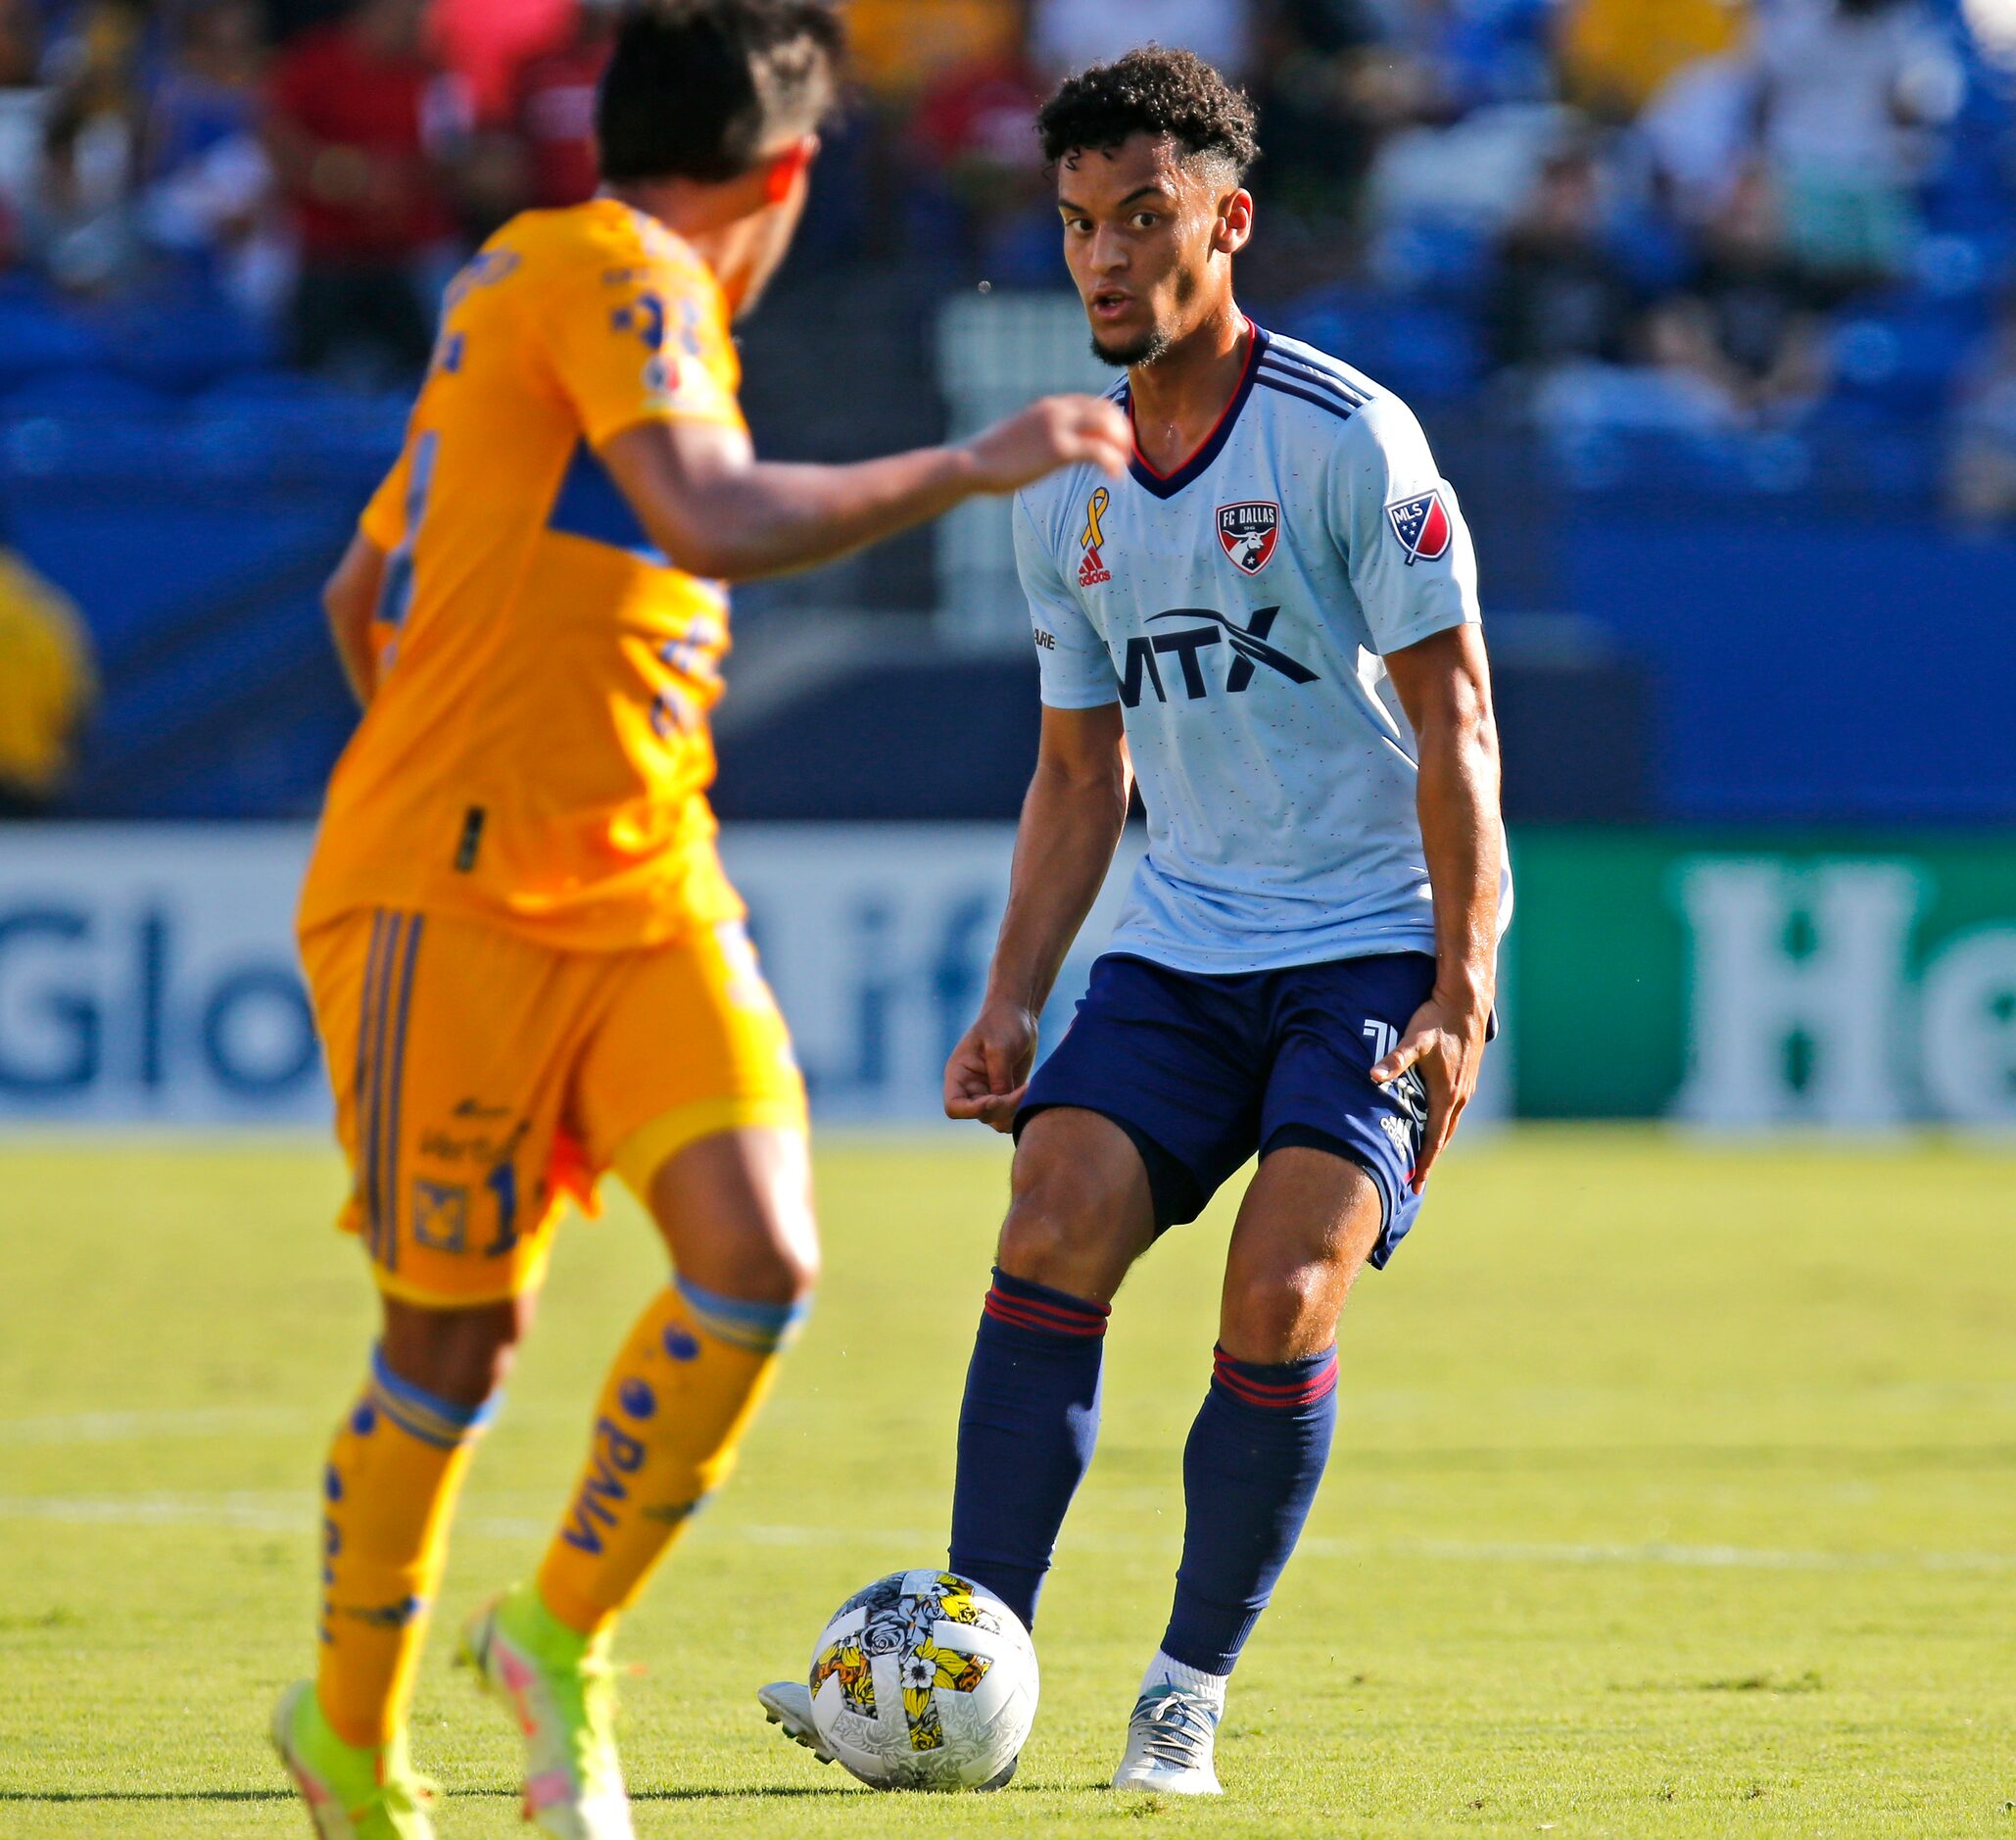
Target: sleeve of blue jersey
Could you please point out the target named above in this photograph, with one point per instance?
(1414, 576)
(1076, 671)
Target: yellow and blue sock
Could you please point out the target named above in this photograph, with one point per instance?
(1251, 1467)
(388, 1497)
(1026, 1427)
(672, 1413)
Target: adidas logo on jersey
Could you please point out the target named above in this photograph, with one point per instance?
(1093, 570)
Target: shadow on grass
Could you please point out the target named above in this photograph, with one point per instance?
(146, 1795)
(778, 1792)
(793, 1790)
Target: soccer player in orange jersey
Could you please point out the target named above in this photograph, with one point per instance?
(527, 965)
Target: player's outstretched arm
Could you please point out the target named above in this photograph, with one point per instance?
(1445, 686)
(1070, 824)
(717, 510)
(348, 599)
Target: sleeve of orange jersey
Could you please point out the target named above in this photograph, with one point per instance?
(652, 347)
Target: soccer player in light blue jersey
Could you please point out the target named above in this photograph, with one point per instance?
(1270, 626)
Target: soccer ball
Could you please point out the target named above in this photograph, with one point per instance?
(924, 1680)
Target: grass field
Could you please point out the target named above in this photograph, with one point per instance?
(1674, 1494)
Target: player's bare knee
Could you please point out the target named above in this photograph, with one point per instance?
(462, 1356)
(793, 1241)
(1062, 1239)
(1274, 1312)
(794, 1265)
(779, 1264)
(737, 1215)
(1078, 1219)
(1036, 1245)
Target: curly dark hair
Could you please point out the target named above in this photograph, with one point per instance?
(1157, 91)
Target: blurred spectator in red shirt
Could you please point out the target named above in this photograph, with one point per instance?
(552, 109)
(487, 43)
(975, 128)
(362, 127)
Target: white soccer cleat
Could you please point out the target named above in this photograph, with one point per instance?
(789, 1704)
(560, 1691)
(1169, 1742)
(353, 1792)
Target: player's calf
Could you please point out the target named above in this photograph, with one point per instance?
(1251, 1467)
(388, 1497)
(1257, 1450)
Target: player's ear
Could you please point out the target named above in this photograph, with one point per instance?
(1235, 223)
(789, 166)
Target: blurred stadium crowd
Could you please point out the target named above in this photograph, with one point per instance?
(1710, 305)
(1635, 213)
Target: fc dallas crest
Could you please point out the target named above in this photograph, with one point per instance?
(1249, 533)
(1422, 526)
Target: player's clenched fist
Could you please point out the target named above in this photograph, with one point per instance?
(990, 1069)
(1059, 431)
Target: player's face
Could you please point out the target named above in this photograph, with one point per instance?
(1149, 239)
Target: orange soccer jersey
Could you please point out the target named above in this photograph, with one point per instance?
(537, 755)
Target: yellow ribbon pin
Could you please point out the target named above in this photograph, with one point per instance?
(1093, 538)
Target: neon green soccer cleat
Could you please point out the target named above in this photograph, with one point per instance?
(560, 1689)
(352, 1793)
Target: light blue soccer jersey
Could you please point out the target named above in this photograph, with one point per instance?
(1240, 610)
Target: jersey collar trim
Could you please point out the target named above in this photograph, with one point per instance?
(1168, 485)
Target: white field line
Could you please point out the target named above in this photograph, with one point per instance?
(238, 1512)
(188, 1424)
(149, 1427)
(191, 1424)
(277, 1513)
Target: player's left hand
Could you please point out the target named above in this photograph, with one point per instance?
(1445, 1043)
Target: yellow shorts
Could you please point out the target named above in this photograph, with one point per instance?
(481, 1078)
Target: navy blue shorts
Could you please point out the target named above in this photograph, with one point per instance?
(1203, 1071)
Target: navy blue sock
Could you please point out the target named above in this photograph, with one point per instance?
(1026, 1435)
(1250, 1470)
